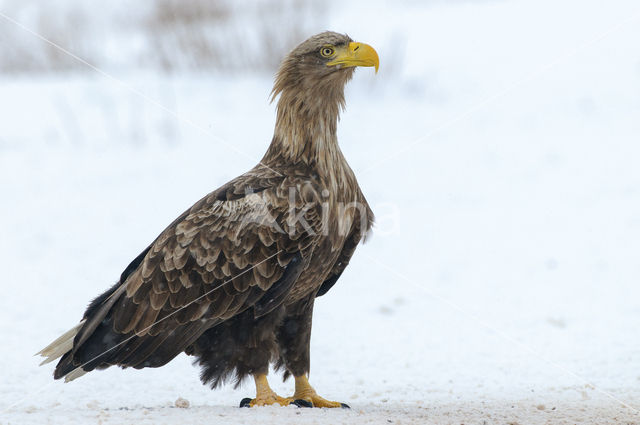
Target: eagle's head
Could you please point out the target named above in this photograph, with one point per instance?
(320, 67)
(310, 83)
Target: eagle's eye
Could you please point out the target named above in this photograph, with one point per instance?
(327, 51)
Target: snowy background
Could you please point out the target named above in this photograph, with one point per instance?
(498, 145)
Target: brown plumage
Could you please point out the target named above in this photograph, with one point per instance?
(233, 280)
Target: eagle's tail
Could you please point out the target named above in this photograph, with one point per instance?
(61, 346)
(83, 348)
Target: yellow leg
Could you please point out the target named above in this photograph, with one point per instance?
(265, 396)
(304, 391)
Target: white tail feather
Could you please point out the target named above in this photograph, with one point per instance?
(75, 373)
(60, 346)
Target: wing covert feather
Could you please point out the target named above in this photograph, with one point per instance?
(221, 258)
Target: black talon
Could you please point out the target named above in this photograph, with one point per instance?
(345, 406)
(245, 402)
(302, 403)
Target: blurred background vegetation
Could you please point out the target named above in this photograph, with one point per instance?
(164, 35)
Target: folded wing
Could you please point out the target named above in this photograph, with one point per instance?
(231, 251)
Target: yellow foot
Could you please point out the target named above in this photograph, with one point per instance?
(306, 396)
(266, 401)
(265, 396)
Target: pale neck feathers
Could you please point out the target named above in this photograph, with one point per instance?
(307, 118)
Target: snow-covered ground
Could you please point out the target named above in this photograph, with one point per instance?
(498, 146)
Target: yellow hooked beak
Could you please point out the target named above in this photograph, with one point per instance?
(355, 54)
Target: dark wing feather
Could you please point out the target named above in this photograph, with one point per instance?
(274, 296)
(226, 254)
